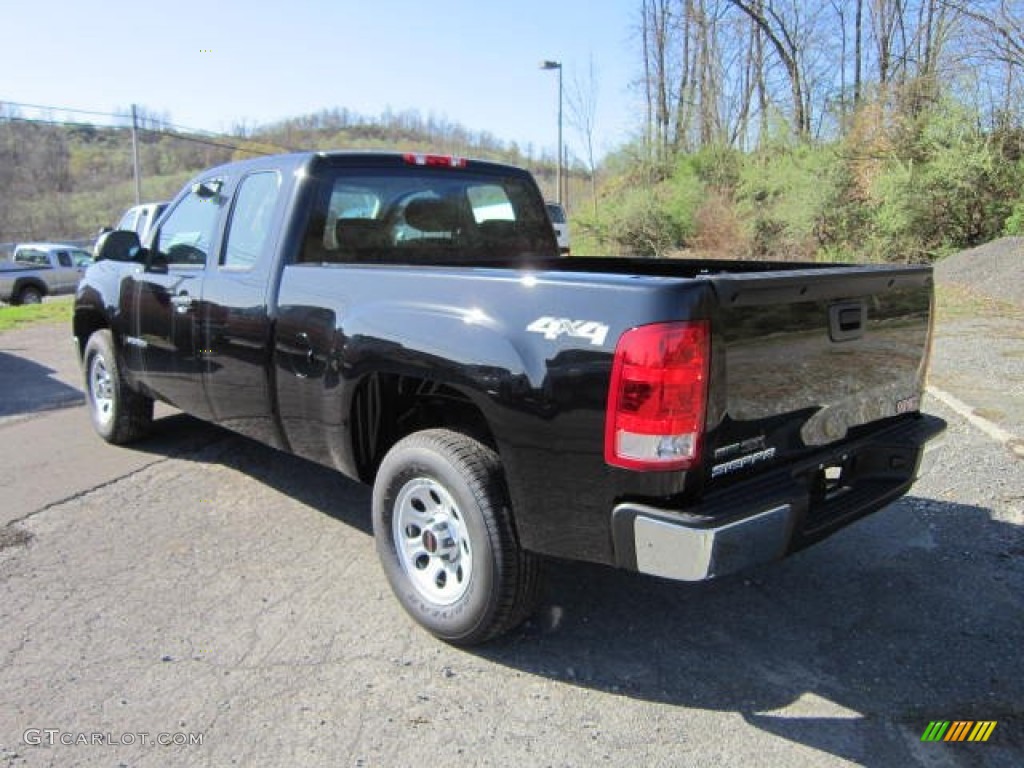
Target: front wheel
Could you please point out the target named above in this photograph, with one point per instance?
(443, 527)
(119, 414)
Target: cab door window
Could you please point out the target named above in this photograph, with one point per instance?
(251, 220)
(187, 235)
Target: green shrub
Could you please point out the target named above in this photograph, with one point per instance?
(948, 188)
(646, 222)
(1015, 221)
(784, 194)
(716, 167)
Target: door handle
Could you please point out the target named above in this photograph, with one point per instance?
(182, 302)
(846, 320)
(302, 341)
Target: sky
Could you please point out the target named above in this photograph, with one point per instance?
(213, 65)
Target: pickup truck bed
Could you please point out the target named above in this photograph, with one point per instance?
(682, 418)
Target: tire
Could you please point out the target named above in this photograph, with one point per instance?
(119, 414)
(442, 522)
(30, 295)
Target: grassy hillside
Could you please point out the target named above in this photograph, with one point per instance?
(66, 181)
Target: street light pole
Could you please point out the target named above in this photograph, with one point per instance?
(558, 179)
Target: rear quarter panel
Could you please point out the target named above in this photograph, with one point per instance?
(542, 392)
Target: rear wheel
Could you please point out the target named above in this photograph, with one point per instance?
(443, 526)
(119, 414)
(30, 295)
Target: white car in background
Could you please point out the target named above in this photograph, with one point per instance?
(141, 218)
(558, 220)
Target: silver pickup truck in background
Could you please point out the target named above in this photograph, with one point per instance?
(36, 270)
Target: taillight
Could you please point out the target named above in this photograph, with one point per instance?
(658, 397)
(435, 161)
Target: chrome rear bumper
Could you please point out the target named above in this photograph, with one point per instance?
(771, 515)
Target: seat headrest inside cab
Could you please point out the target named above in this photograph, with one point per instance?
(429, 215)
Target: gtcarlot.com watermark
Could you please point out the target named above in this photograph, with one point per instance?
(52, 737)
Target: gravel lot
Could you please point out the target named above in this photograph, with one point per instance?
(203, 585)
(980, 354)
(995, 269)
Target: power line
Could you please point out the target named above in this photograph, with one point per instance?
(162, 129)
(159, 132)
(58, 123)
(195, 140)
(118, 115)
(64, 109)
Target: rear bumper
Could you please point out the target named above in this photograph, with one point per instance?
(769, 516)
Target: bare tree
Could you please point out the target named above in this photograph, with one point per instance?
(858, 53)
(582, 104)
(1002, 25)
(658, 27)
(752, 81)
(782, 35)
(685, 89)
(713, 69)
(645, 37)
(709, 80)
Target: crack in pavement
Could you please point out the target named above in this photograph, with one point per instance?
(85, 492)
(185, 454)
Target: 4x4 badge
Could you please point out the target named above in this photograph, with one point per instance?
(553, 327)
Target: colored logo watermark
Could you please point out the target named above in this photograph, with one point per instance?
(959, 730)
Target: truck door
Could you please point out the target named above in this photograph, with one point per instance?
(65, 274)
(166, 298)
(235, 329)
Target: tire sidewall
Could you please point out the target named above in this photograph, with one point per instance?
(30, 295)
(100, 346)
(475, 607)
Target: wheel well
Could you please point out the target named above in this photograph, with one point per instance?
(86, 323)
(21, 285)
(388, 407)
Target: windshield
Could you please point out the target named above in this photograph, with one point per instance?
(415, 215)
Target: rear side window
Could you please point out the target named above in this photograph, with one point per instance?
(187, 235)
(140, 227)
(490, 203)
(556, 213)
(64, 258)
(32, 256)
(403, 215)
(251, 219)
(127, 221)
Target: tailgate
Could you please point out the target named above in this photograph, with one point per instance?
(808, 358)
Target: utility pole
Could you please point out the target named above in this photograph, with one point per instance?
(135, 157)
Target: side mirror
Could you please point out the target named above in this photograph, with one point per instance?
(207, 190)
(118, 245)
(156, 263)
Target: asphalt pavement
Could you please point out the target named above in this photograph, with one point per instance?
(200, 599)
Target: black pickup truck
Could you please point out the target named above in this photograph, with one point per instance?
(407, 319)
